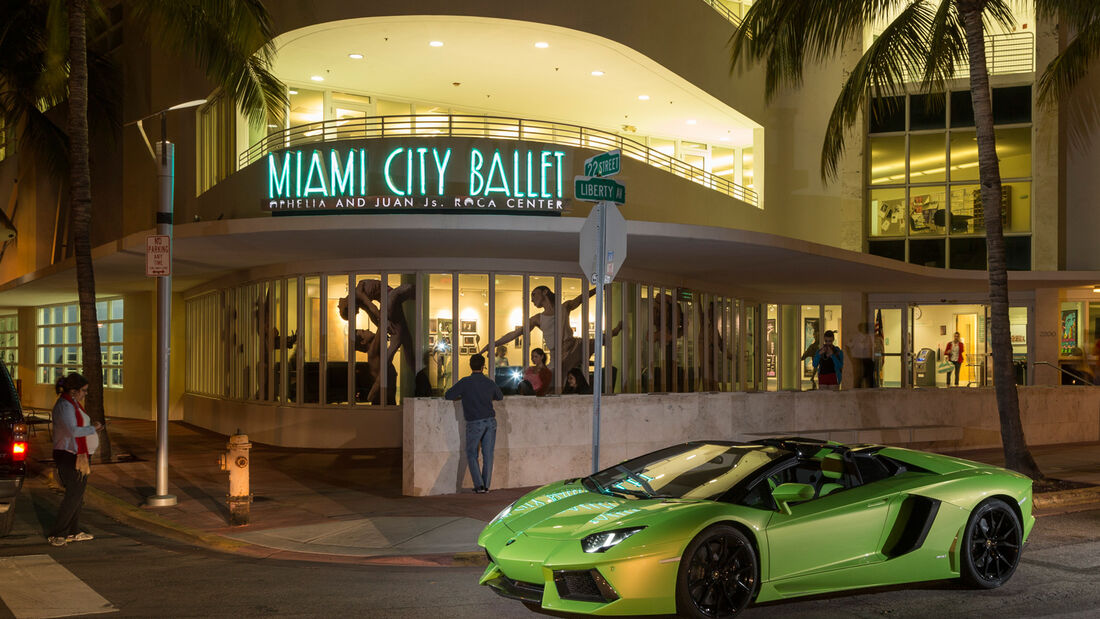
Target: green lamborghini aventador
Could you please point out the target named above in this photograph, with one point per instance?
(704, 529)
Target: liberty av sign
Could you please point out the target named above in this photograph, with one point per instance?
(416, 178)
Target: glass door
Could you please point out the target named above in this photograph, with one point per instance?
(891, 350)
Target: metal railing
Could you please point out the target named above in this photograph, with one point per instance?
(491, 127)
(1004, 54)
(1075, 379)
(724, 11)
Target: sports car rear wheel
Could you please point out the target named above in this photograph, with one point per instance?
(718, 574)
(991, 545)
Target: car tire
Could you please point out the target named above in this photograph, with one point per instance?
(991, 545)
(7, 519)
(718, 574)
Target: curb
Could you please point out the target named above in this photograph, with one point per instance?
(135, 516)
(1077, 496)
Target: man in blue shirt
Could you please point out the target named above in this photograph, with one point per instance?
(477, 392)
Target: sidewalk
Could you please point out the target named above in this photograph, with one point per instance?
(346, 505)
(332, 505)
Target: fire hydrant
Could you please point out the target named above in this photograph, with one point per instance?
(235, 460)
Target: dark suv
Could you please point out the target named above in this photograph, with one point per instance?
(13, 450)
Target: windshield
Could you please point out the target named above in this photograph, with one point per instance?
(689, 471)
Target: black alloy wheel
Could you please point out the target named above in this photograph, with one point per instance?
(718, 574)
(991, 545)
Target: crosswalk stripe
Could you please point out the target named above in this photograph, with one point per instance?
(36, 586)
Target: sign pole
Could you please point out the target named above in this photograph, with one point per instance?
(597, 380)
(166, 174)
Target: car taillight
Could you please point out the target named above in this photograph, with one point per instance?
(18, 451)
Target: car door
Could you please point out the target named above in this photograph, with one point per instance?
(839, 530)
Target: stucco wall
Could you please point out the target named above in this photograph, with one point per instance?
(543, 439)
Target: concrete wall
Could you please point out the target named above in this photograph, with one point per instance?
(309, 427)
(544, 439)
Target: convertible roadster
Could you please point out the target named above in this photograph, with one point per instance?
(704, 529)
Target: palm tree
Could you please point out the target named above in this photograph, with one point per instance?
(928, 39)
(230, 41)
(1082, 18)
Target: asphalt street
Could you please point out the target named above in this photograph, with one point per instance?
(139, 575)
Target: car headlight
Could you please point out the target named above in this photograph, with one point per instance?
(504, 512)
(600, 542)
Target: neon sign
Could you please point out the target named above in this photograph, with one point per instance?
(520, 176)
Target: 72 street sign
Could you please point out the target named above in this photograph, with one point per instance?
(603, 164)
(595, 189)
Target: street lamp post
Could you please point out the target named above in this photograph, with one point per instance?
(165, 157)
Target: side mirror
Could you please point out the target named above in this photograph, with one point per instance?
(792, 493)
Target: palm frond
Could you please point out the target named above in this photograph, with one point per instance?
(900, 51)
(785, 34)
(231, 41)
(1063, 73)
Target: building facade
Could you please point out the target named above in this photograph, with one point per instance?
(415, 206)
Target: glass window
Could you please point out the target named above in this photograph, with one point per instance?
(1018, 253)
(962, 109)
(1012, 105)
(59, 351)
(927, 158)
(895, 250)
(306, 107)
(964, 156)
(927, 211)
(887, 114)
(473, 319)
(887, 212)
(771, 348)
(293, 342)
(1016, 206)
(1071, 343)
(311, 342)
(968, 253)
(746, 168)
(336, 340)
(927, 112)
(927, 252)
(441, 323)
(888, 160)
(9, 341)
(749, 345)
(809, 340)
(722, 163)
(1014, 152)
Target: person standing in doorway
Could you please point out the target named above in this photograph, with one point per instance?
(477, 393)
(74, 441)
(954, 353)
(863, 364)
(828, 363)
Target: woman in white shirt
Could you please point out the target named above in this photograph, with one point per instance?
(74, 441)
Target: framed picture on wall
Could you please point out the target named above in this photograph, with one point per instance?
(433, 325)
(431, 341)
(518, 342)
(468, 326)
(468, 350)
(468, 340)
(445, 325)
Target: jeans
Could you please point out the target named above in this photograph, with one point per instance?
(957, 364)
(68, 514)
(481, 432)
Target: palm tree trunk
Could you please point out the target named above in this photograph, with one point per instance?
(1017, 455)
(80, 196)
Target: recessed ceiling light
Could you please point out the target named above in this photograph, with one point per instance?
(597, 74)
(355, 56)
(317, 78)
(293, 92)
(436, 43)
(542, 45)
(691, 121)
(725, 138)
(643, 97)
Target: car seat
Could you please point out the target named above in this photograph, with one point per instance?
(832, 470)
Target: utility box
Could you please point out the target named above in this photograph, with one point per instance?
(924, 368)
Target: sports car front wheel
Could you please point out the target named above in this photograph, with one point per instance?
(991, 545)
(718, 574)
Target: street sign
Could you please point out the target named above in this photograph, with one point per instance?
(615, 245)
(603, 164)
(158, 255)
(596, 189)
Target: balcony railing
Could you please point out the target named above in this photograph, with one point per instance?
(1004, 54)
(725, 11)
(492, 127)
